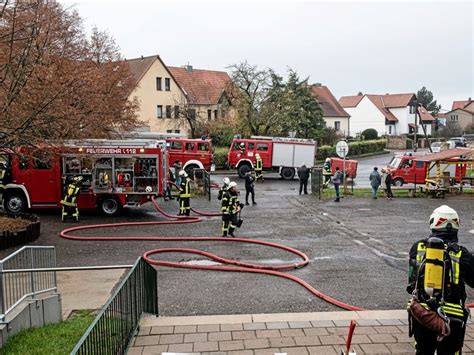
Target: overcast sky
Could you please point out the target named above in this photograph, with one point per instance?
(373, 47)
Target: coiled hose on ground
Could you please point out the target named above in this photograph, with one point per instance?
(228, 265)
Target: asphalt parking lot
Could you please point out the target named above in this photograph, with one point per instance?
(358, 250)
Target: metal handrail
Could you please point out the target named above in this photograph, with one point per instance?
(115, 325)
(17, 281)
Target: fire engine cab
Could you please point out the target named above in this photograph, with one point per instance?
(283, 155)
(115, 174)
(192, 153)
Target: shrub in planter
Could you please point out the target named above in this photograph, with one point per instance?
(18, 229)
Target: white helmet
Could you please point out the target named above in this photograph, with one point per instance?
(232, 184)
(257, 155)
(242, 144)
(226, 181)
(328, 160)
(444, 218)
(183, 173)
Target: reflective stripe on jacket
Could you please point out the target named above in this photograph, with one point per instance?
(185, 188)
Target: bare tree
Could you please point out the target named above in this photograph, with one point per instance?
(55, 83)
(248, 90)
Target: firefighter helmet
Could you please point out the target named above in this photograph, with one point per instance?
(328, 160)
(232, 184)
(77, 178)
(242, 145)
(444, 218)
(226, 181)
(183, 173)
(257, 155)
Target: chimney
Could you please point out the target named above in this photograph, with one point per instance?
(317, 84)
(141, 57)
(189, 68)
(470, 99)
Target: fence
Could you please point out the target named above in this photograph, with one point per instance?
(203, 180)
(15, 287)
(116, 323)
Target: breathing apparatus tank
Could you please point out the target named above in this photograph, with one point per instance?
(434, 267)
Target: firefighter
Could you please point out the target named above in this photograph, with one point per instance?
(327, 172)
(225, 208)
(234, 208)
(258, 168)
(242, 148)
(223, 189)
(439, 268)
(69, 202)
(184, 194)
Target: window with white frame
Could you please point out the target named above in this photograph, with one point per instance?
(158, 84)
(167, 84)
(337, 125)
(168, 111)
(159, 111)
(454, 118)
(390, 129)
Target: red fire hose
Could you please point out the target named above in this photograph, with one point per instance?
(229, 264)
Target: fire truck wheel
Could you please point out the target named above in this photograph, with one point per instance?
(243, 170)
(190, 169)
(287, 173)
(15, 202)
(398, 182)
(109, 206)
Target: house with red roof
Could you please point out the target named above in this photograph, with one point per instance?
(389, 114)
(462, 112)
(333, 113)
(166, 94)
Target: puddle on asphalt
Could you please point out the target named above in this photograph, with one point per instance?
(364, 209)
(205, 262)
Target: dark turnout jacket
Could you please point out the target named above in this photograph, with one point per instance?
(466, 266)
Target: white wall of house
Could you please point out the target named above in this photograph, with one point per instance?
(365, 115)
(404, 118)
(343, 123)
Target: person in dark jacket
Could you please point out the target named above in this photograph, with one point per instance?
(449, 300)
(337, 180)
(303, 174)
(375, 182)
(249, 188)
(388, 184)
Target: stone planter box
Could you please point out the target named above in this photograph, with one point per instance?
(28, 234)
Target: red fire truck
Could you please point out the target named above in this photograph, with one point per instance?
(450, 166)
(283, 155)
(114, 174)
(192, 153)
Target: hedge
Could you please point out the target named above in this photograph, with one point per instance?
(355, 148)
(220, 157)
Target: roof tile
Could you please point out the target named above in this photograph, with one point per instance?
(329, 104)
(203, 87)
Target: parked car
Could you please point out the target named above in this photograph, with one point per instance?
(436, 147)
(457, 142)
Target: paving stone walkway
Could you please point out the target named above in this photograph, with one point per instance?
(377, 332)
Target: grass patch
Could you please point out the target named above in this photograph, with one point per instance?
(329, 193)
(57, 338)
(365, 193)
